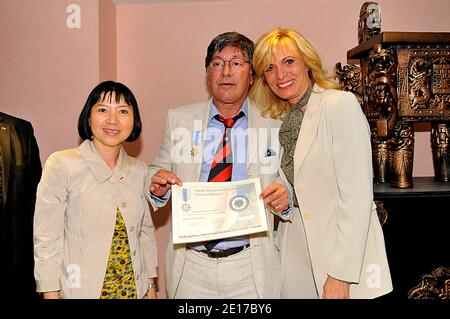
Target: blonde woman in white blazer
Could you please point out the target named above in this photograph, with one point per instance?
(93, 233)
(332, 243)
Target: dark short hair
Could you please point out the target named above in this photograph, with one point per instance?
(101, 92)
(230, 39)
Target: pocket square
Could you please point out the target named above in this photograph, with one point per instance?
(270, 152)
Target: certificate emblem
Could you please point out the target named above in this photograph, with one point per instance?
(185, 194)
(185, 207)
(239, 203)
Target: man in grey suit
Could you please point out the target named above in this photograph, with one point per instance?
(239, 267)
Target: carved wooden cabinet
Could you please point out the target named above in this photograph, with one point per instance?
(404, 77)
(416, 233)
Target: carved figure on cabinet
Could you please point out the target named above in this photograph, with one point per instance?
(369, 23)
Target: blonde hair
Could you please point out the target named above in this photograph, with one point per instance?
(267, 101)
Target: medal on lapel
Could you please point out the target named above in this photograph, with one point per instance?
(196, 137)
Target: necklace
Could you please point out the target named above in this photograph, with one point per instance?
(302, 102)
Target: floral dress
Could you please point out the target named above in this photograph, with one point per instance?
(119, 278)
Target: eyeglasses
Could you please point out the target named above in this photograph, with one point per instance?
(235, 64)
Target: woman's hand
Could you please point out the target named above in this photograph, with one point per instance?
(276, 196)
(51, 295)
(151, 293)
(335, 289)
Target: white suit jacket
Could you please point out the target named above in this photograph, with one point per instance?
(176, 156)
(333, 184)
(75, 216)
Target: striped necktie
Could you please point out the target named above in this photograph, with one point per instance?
(222, 165)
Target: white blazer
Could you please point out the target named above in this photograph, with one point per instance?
(75, 216)
(333, 185)
(175, 155)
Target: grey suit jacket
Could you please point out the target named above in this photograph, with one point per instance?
(176, 155)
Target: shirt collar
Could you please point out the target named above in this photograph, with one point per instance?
(97, 165)
(214, 111)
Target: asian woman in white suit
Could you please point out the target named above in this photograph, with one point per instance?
(93, 233)
(332, 243)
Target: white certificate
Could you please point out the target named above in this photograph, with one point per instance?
(206, 211)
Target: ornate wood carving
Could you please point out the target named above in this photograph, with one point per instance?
(381, 212)
(381, 90)
(380, 156)
(403, 77)
(401, 154)
(350, 78)
(433, 286)
(440, 145)
(369, 23)
(424, 84)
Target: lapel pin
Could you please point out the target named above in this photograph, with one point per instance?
(196, 137)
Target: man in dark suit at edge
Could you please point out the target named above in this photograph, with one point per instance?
(20, 172)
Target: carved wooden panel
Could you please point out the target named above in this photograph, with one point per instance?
(404, 78)
(424, 84)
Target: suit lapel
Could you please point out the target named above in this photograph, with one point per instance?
(308, 131)
(5, 141)
(201, 119)
(255, 122)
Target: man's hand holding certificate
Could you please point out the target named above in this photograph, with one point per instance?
(207, 211)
